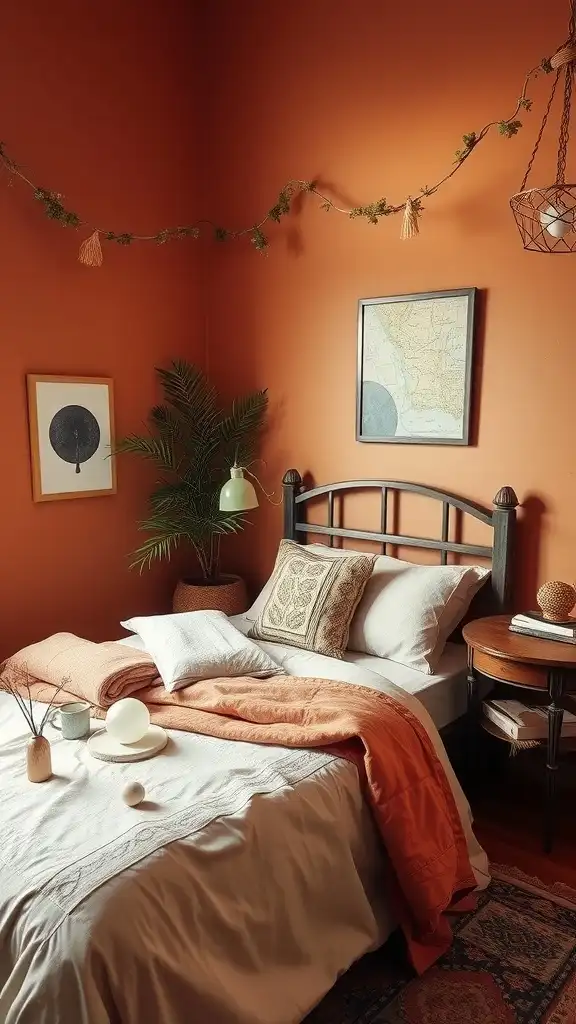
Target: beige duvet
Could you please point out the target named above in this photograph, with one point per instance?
(247, 918)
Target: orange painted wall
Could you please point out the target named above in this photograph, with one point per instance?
(100, 101)
(140, 113)
(372, 99)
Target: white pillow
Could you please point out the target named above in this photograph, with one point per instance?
(190, 646)
(407, 611)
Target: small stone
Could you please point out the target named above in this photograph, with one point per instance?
(133, 793)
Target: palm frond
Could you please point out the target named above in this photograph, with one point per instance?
(182, 499)
(239, 430)
(189, 523)
(171, 496)
(154, 549)
(187, 388)
(167, 422)
(230, 522)
(157, 449)
(190, 422)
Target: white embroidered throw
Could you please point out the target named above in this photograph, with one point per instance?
(62, 843)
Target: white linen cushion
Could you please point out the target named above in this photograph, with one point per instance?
(407, 611)
(189, 646)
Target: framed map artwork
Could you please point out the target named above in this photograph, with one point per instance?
(415, 368)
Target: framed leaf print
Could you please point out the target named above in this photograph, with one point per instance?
(71, 436)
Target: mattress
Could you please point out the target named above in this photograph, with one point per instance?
(444, 695)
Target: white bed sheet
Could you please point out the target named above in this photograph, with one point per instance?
(248, 919)
(444, 695)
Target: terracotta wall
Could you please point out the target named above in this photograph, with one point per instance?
(372, 99)
(113, 106)
(100, 102)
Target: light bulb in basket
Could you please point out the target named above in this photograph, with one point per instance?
(557, 220)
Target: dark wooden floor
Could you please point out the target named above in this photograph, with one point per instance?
(507, 810)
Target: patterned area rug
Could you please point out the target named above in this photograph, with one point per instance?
(513, 961)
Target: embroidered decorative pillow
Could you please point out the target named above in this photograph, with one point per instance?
(312, 599)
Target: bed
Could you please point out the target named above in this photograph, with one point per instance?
(253, 876)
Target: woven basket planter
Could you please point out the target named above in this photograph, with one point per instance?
(228, 596)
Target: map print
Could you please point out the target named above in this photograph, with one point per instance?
(414, 368)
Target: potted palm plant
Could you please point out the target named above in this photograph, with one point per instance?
(194, 443)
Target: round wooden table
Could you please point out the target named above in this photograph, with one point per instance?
(528, 662)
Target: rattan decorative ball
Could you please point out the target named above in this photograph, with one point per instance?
(556, 600)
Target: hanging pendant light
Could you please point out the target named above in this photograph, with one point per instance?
(546, 217)
(237, 494)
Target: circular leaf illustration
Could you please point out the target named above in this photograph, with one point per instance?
(74, 434)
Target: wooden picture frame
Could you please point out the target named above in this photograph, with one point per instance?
(414, 374)
(71, 421)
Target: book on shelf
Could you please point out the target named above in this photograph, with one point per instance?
(534, 620)
(541, 635)
(524, 722)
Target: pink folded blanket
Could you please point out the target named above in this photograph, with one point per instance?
(98, 673)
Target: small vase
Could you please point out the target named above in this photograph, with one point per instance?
(38, 759)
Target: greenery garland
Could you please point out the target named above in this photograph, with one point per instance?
(91, 250)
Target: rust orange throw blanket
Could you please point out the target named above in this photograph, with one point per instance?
(407, 787)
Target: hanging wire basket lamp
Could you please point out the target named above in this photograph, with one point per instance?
(546, 217)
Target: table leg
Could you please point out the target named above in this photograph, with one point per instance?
(473, 713)
(555, 717)
(472, 683)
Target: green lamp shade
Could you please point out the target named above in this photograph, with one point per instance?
(238, 494)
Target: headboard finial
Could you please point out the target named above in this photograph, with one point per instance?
(504, 523)
(291, 487)
(292, 477)
(506, 498)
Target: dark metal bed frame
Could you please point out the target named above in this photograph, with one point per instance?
(501, 519)
(495, 597)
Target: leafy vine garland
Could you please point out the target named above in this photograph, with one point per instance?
(91, 251)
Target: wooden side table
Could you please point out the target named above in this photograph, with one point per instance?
(530, 663)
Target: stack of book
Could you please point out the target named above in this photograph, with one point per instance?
(522, 722)
(534, 624)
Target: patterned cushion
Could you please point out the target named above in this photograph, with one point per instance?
(312, 599)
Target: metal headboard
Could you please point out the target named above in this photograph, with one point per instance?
(501, 518)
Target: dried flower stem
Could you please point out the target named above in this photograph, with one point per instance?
(12, 681)
(64, 683)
